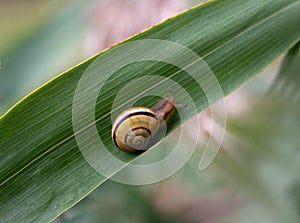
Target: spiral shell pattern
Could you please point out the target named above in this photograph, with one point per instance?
(134, 129)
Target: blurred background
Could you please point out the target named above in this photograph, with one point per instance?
(255, 175)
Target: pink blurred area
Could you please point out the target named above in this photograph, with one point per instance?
(174, 199)
(113, 20)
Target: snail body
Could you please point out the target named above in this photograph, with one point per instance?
(134, 129)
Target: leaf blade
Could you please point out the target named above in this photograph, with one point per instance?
(41, 166)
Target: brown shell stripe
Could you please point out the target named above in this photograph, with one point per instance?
(137, 128)
(128, 116)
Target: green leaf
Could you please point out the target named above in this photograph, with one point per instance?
(42, 171)
(288, 78)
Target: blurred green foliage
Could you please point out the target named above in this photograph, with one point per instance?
(38, 30)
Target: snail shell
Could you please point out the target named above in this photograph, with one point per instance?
(135, 128)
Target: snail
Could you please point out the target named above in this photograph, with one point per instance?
(135, 128)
